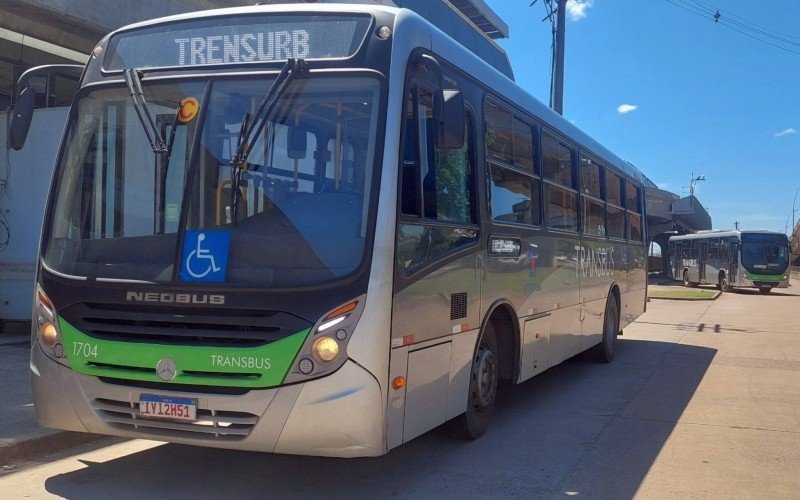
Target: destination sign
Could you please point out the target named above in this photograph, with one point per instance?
(237, 40)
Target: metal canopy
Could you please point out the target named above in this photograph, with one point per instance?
(482, 16)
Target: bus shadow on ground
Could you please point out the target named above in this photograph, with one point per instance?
(578, 429)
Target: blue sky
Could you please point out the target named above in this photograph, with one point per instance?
(708, 99)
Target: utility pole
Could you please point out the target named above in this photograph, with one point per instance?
(557, 8)
(558, 76)
(794, 207)
(736, 225)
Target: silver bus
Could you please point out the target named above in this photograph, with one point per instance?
(731, 259)
(318, 229)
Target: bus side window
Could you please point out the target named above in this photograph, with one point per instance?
(723, 250)
(713, 249)
(437, 185)
(409, 176)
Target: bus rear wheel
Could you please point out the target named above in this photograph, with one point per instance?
(484, 374)
(764, 290)
(604, 351)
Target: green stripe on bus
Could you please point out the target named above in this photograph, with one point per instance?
(252, 367)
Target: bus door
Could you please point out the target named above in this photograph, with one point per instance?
(701, 265)
(676, 261)
(733, 270)
(436, 304)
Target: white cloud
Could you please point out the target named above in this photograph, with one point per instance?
(788, 131)
(576, 9)
(624, 109)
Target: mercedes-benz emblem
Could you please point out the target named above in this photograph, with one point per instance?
(166, 369)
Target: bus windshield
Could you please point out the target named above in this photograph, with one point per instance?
(120, 211)
(765, 253)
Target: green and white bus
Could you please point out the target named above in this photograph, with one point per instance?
(731, 259)
(318, 229)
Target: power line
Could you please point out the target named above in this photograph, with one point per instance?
(706, 14)
(728, 13)
(747, 25)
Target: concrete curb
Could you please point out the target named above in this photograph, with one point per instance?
(714, 297)
(27, 449)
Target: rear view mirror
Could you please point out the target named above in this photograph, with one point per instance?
(21, 117)
(448, 108)
(25, 100)
(297, 147)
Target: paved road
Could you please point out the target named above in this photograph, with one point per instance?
(702, 400)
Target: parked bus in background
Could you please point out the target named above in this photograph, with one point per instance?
(318, 229)
(731, 259)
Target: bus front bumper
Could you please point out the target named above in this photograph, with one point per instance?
(341, 415)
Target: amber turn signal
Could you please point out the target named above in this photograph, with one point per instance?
(398, 383)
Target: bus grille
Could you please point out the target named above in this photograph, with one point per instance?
(214, 424)
(175, 325)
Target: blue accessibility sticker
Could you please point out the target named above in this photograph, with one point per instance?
(205, 256)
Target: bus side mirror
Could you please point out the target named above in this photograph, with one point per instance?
(448, 110)
(21, 117)
(297, 143)
(25, 100)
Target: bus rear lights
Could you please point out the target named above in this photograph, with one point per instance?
(50, 334)
(306, 366)
(326, 349)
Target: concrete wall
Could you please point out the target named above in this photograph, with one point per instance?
(28, 173)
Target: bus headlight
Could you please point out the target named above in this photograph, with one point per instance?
(48, 335)
(325, 349)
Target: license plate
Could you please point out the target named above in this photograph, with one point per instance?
(167, 407)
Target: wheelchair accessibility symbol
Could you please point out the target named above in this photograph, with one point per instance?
(205, 256)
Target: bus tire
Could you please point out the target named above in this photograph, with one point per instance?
(484, 374)
(764, 290)
(723, 285)
(604, 351)
(686, 281)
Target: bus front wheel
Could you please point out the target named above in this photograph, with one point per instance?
(723, 285)
(484, 373)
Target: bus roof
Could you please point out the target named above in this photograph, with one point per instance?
(722, 233)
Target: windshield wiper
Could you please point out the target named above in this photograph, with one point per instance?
(253, 125)
(143, 111)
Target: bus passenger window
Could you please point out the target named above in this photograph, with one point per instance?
(556, 161)
(515, 197)
(508, 139)
(594, 217)
(613, 188)
(562, 208)
(632, 198)
(616, 222)
(590, 177)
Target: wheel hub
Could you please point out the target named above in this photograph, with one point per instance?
(486, 374)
